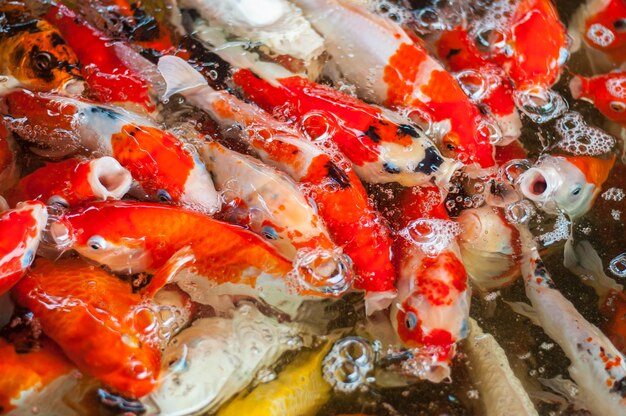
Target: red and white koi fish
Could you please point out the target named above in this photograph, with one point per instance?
(338, 194)
(74, 181)
(382, 149)
(492, 248)
(134, 237)
(431, 311)
(602, 26)
(597, 367)
(277, 24)
(274, 207)
(21, 230)
(9, 169)
(109, 79)
(166, 168)
(484, 81)
(607, 92)
(565, 182)
(389, 68)
(100, 324)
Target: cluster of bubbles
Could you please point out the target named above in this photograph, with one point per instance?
(614, 194)
(600, 35)
(347, 365)
(390, 10)
(580, 139)
(432, 236)
(617, 87)
(560, 232)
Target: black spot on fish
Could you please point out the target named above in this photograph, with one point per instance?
(105, 112)
(453, 52)
(120, 404)
(337, 175)
(408, 130)
(431, 162)
(215, 69)
(391, 169)
(56, 39)
(373, 134)
(619, 387)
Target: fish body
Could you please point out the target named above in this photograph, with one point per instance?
(102, 327)
(34, 52)
(166, 168)
(483, 80)
(607, 92)
(338, 194)
(389, 68)
(142, 237)
(597, 367)
(74, 181)
(381, 149)
(21, 230)
(110, 80)
(431, 310)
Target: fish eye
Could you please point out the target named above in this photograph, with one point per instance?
(620, 25)
(410, 320)
(164, 196)
(43, 61)
(450, 146)
(577, 190)
(96, 242)
(59, 201)
(617, 106)
(269, 233)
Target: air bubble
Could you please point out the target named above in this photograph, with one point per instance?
(617, 87)
(580, 139)
(617, 266)
(540, 104)
(323, 271)
(519, 212)
(347, 364)
(614, 194)
(600, 35)
(432, 236)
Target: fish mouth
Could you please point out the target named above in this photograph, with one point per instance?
(73, 87)
(108, 179)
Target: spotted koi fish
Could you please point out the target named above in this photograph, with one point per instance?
(35, 53)
(607, 92)
(338, 194)
(21, 230)
(166, 169)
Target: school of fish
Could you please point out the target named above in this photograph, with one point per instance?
(181, 179)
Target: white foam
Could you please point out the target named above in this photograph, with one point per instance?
(600, 35)
(580, 139)
(617, 87)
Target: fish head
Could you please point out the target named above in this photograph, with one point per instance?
(605, 27)
(567, 183)
(606, 92)
(102, 235)
(44, 62)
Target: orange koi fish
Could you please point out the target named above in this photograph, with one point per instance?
(74, 181)
(102, 327)
(9, 169)
(35, 53)
(21, 373)
(531, 44)
(602, 26)
(166, 168)
(109, 79)
(431, 311)
(275, 208)
(485, 82)
(134, 237)
(21, 230)
(388, 67)
(607, 92)
(381, 149)
(338, 194)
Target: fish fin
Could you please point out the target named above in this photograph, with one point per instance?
(377, 301)
(179, 76)
(577, 86)
(583, 260)
(526, 310)
(566, 389)
(180, 260)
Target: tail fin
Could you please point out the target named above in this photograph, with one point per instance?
(179, 76)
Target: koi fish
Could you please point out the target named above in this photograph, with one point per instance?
(389, 68)
(431, 311)
(21, 374)
(102, 327)
(166, 168)
(381, 149)
(134, 237)
(607, 92)
(74, 181)
(492, 248)
(484, 81)
(109, 79)
(338, 194)
(21, 230)
(597, 367)
(602, 26)
(277, 24)
(34, 52)
(277, 210)
(565, 182)
(9, 169)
